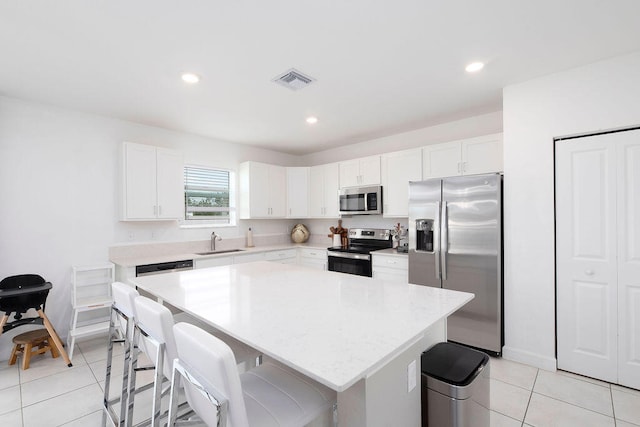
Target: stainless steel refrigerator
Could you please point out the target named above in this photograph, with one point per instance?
(455, 242)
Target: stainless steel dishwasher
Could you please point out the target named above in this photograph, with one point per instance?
(163, 267)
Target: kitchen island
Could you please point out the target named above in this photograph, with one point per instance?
(359, 336)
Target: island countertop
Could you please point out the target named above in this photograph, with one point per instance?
(334, 327)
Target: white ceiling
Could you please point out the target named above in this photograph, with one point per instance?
(381, 66)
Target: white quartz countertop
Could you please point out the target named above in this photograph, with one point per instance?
(336, 328)
(132, 261)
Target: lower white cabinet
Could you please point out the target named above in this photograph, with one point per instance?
(391, 267)
(285, 256)
(314, 258)
(212, 262)
(250, 257)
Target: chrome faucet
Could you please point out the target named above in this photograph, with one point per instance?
(214, 237)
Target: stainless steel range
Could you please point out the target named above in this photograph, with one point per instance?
(356, 257)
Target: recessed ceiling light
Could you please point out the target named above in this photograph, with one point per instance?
(312, 120)
(190, 78)
(474, 67)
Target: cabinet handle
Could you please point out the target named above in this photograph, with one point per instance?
(589, 272)
(459, 171)
(155, 210)
(464, 166)
(159, 210)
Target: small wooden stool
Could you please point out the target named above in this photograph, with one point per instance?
(24, 344)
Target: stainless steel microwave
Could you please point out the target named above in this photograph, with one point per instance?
(361, 200)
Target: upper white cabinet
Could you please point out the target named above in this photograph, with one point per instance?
(323, 191)
(262, 190)
(397, 170)
(466, 157)
(152, 180)
(297, 192)
(363, 171)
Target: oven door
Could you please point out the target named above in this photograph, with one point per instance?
(344, 262)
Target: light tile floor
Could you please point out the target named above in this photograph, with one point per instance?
(50, 394)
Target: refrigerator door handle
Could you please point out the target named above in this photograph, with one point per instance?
(436, 240)
(444, 241)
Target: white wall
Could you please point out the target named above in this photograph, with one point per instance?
(597, 97)
(59, 193)
(483, 124)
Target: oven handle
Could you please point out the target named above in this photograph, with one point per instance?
(364, 257)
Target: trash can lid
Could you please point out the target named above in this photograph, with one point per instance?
(452, 363)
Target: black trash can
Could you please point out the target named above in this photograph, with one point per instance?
(455, 387)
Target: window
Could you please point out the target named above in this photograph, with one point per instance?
(208, 196)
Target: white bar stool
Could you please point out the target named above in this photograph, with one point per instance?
(122, 308)
(265, 395)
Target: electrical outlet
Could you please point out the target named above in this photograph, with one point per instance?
(411, 376)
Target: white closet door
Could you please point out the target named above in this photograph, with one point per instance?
(586, 257)
(629, 258)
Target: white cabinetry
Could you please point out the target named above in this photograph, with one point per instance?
(153, 186)
(212, 262)
(391, 267)
(90, 302)
(465, 157)
(248, 257)
(363, 171)
(262, 190)
(313, 258)
(284, 256)
(297, 192)
(323, 191)
(397, 170)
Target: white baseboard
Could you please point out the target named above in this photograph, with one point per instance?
(528, 358)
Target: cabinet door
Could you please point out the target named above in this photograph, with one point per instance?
(170, 184)
(628, 257)
(259, 191)
(331, 187)
(277, 191)
(139, 199)
(298, 192)
(370, 170)
(397, 170)
(586, 288)
(482, 155)
(441, 160)
(349, 173)
(213, 262)
(316, 191)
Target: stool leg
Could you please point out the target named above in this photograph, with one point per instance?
(26, 356)
(55, 337)
(3, 322)
(53, 349)
(14, 354)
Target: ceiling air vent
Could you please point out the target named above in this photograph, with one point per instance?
(294, 79)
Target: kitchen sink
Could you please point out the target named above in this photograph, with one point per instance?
(219, 252)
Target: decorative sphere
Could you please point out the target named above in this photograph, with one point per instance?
(299, 233)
